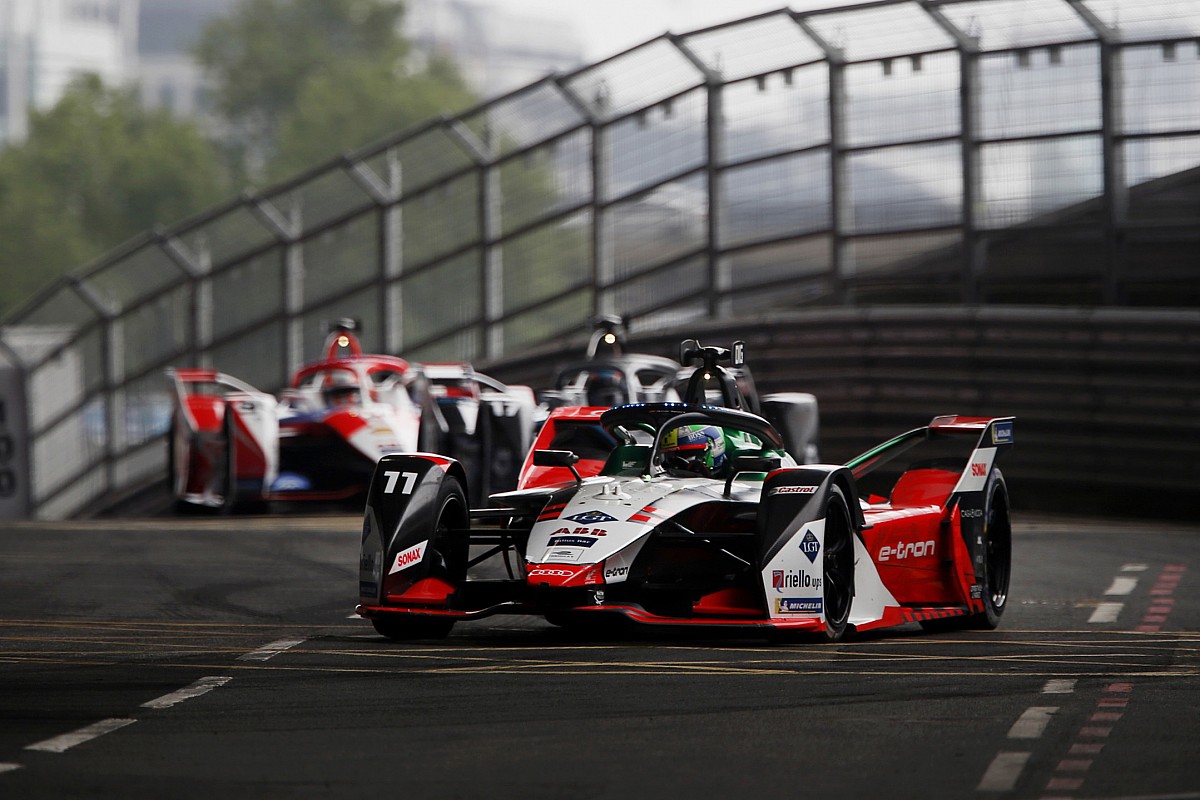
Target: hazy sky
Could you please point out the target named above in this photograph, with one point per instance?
(610, 26)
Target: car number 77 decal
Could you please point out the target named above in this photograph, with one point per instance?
(410, 480)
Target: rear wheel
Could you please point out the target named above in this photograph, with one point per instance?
(838, 565)
(996, 566)
(227, 485)
(997, 554)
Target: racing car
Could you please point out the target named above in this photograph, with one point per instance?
(688, 514)
(610, 376)
(233, 447)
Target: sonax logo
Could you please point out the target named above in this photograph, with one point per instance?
(406, 558)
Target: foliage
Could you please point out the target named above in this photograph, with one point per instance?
(299, 81)
(354, 103)
(96, 170)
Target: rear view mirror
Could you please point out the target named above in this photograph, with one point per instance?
(750, 464)
(557, 458)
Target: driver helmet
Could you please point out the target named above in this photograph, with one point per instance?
(341, 388)
(695, 449)
(606, 387)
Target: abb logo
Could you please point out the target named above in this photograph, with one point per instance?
(581, 532)
(978, 470)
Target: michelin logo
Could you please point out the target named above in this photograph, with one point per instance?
(798, 605)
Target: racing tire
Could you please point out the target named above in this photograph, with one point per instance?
(997, 563)
(997, 554)
(449, 554)
(448, 559)
(410, 626)
(838, 560)
(229, 501)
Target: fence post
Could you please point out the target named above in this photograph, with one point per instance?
(1116, 181)
(287, 234)
(974, 258)
(16, 476)
(720, 275)
(603, 267)
(841, 203)
(385, 193)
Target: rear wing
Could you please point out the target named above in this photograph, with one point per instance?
(963, 449)
(191, 380)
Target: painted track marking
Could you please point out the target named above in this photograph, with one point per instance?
(1003, 772)
(1106, 612)
(202, 686)
(268, 650)
(9, 767)
(1059, 686)
(1032, 722)
(60, 744)
(1121, 586)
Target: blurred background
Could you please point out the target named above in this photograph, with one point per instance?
(906, 207)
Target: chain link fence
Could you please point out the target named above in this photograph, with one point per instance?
(962, 151)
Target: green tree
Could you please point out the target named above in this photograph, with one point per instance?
(96, 169)
(356, 102)
(299, 81)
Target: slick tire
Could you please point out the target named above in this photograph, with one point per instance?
(838, 558)
(997, 563)
(450, 553)
(997, 554)
(229, 498)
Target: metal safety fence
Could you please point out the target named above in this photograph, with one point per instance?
(961, 151)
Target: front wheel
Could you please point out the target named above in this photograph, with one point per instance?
(838, 563)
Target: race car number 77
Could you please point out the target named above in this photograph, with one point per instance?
(410, 480)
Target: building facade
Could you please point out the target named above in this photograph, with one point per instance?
(46, 44)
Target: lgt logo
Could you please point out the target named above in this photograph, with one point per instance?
(810, 547)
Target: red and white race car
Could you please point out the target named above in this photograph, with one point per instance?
(231, 445)
(687, 514)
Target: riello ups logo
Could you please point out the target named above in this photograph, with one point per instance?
(783, 580)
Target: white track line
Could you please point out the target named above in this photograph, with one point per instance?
(1003, 772)
(65, 742)
(1059, 686)
(202, 686)
(9, 767)
(1106, 612)
(1032, 723)
(1135, 568)
(268, 650)
(1122, 586)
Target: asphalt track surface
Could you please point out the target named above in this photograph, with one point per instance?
(210, 657)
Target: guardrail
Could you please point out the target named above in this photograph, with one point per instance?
(898, 149)
(1107, 400)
